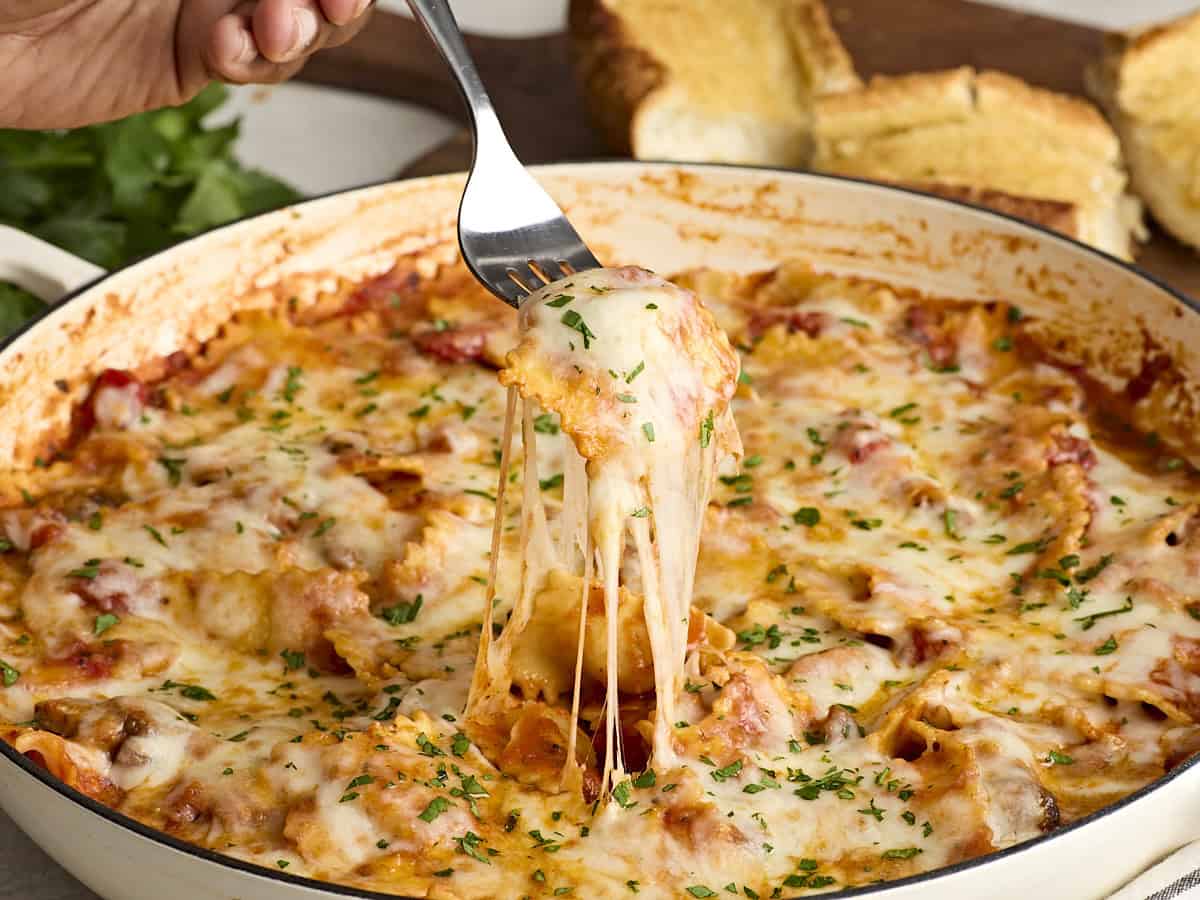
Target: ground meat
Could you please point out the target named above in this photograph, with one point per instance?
(116, 587)
(860, 437)
(28, 529)
(1070, 449)
(456, 344)
(811, 322)
(389, 290)
(304, 604)
(117, 400)
(924, 326)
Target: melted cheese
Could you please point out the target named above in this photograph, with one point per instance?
(641, 379)
(941, 605)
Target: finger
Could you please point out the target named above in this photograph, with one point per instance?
(232, 54)
(343, 12)
(231, 45)
(347, 32)
(285, 30)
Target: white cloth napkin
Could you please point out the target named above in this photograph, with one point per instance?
(1175, 878)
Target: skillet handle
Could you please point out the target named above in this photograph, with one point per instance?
(42, 269)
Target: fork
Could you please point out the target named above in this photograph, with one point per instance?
(513, 236)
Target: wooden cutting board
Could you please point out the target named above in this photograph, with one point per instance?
(531, 83)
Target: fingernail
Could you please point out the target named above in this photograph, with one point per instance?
(306, 26)
(247, 51)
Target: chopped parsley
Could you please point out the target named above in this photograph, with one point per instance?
(1092, 571)
(428, 747)
(103, 622)
(621, 792)
(89, 570)
(469, 844)
(194, 692)
(575, 322)
(174, 467)
(1028, 547)
(436, 807)
(902, 853)
(706, 430)
(1087, 622)
(8, 675)
(807, 515)
(726, 772)
(950, 523)
(402, 613)
(1012, 490)
(293, 385)
(752, 637)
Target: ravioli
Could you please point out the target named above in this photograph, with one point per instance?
(644, 401)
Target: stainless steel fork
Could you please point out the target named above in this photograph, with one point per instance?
(513, 236)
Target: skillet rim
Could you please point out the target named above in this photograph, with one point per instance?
(113, 817)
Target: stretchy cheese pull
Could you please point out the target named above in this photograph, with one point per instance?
(641, 378)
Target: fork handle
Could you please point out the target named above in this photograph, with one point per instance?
(439, 23)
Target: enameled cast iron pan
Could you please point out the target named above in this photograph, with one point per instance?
(665, 217)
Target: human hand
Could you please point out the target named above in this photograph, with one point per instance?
(74, 62)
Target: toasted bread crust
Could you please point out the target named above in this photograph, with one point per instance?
(1148, 81)
(615, 73)
(1000, 92)
(987, 138)
(624, 73)
(889, 102)
(1053, 214)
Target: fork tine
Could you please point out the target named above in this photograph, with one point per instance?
(508, 225)
(580, 259)
(520, 279)
(536, 268)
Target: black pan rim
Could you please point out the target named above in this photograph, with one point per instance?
(33, 770)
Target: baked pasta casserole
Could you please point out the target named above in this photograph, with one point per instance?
(943, 597)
